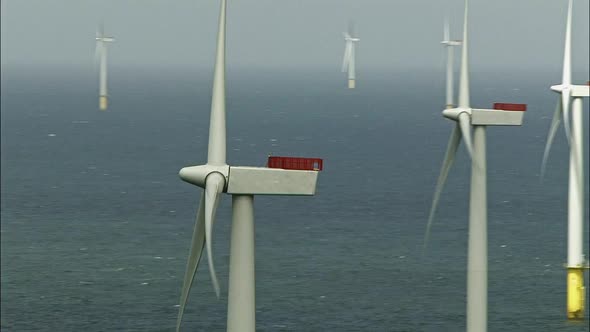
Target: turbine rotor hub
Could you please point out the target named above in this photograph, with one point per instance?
(197, 175)
(453, 113)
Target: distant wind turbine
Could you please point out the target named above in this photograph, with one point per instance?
(348, 63)
(449, 44)
(478, 119)
(575, 257)
(217, 177)
(101, 53)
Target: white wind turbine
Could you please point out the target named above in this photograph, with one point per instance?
(217, 177)
(101, 53)
(575, 256)
(468, 118)
(348, 63)
(449, 44)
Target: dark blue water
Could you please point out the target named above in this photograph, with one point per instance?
(96, 223)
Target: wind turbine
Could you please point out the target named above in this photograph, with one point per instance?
(348, 63)
(469, 118)
(217, 177)
(449, 44)
(101, 52)
(574, 94)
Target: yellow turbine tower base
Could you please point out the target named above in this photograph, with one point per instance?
(351, 84)
(576, 293)
(103, 103)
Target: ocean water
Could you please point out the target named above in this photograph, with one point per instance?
(96, 224)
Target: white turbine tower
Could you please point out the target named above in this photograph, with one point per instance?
(348, 63)
(575, 256)
(449, 44)
(217, 177)
(101, 53)
(468, 118)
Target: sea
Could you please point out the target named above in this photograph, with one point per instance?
(96, 224)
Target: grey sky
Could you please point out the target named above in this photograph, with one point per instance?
(292, 33)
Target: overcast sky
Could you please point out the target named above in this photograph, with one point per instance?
(292, 33)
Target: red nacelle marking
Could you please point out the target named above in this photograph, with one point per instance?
(510, 107)
(306, 164)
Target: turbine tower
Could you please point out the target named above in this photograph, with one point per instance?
(468, 118)
(101, 53)
(348, 63)
(449, 44)
(572, 95)
(283, 176)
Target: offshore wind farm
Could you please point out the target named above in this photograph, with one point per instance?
(99, 232)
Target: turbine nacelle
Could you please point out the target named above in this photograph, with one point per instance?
(452, 42)
(573, 90)
(559, 88)
(503, 114)
(349, 38)
(254, 180)
(105, 39)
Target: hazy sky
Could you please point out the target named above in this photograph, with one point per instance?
(291, 33)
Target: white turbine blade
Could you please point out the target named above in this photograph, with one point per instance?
(351, 28)
(567, 53)
(465, 125)
(346, 60)
(552, 130)
(100, 32)
(213, 187)
(454, 141)
(565, 107)
(446, 34)
(464, 79)
(217, 131)
(449, 78)
(194, 258)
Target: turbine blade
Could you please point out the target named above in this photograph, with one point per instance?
(446, 34)
(449, 77)
(565, 107)
(464, 79)
(101, 28)
(213, 187)
(454, 141)
(465, 125)
(567, 53)
(194, 258)
(217, 130)
(351, 31)
(552, 130)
